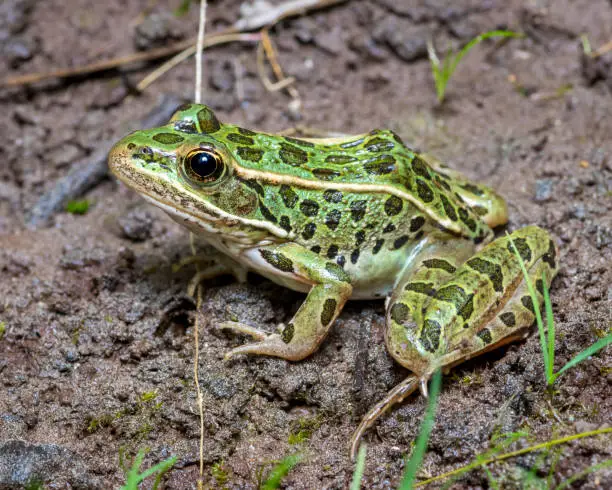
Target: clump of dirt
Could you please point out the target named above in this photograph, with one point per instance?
(97, 345)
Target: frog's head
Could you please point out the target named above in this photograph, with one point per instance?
(188, 169)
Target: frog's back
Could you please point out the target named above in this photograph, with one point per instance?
(376, 162)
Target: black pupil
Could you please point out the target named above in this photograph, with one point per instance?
(203, 164)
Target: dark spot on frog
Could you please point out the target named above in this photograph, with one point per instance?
(250, 154)
(240, 139)
(332, 251)
(309, 231)
(316, 249)
(491, 270)
(400, 242)
(528, 303)
(449, 209)
(399, 313)
(522, 247)
(358, 210)
(425, 288)
(246, 132)
(168, 138)
(288, 195)
(416, 223)
(377, 246)
(292, 155)
(393, 206)
(328, 311)
(485, 335)
(508, 319)
(424, 191)
(277, 260)
(309, 207)
(288, 333)
(360, 237)
(332, 219)
(332, 195)
(266, 213)
(389, 228)
(550, 256)
(420, 168)
(131, 146)
(439, 264)
(285, 223)
(430, 335)
(355, 256)
(473, 189)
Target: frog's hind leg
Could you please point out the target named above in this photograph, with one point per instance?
(330, 289)
(508, 314)
(436, 262)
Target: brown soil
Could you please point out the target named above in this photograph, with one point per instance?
(96, 320)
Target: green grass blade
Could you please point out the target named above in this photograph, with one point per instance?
(359, 468)
(538, 315)
(133, 477)
(478, 39)
(550, 324)
(604, 464)
(280, 471)
(421, 443)
(589, 351)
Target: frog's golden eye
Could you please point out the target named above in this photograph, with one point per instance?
(203, 167)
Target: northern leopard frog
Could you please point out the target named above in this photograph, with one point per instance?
(352, 218)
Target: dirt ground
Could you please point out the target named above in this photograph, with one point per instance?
(97, 345)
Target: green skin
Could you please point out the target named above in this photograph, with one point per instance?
(358, 217)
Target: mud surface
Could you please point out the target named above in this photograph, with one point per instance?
(97, 350)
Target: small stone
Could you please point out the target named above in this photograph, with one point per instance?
(544, 190)
(18, 50)
(156, 30)
(331, 41)
(137, 225)
(407, 42)
(222, 75)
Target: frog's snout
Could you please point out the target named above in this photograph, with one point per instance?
(119, 159)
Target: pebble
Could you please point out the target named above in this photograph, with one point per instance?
(544, 190)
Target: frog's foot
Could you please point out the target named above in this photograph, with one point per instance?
(243, 328)
(396, 395)
(267, 345)
(302, 335)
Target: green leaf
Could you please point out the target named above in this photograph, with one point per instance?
(449, 64)
(78, 206)
(280, 471)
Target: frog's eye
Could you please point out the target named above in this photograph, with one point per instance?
(203, 167)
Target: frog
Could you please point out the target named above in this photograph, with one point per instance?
(359, 217)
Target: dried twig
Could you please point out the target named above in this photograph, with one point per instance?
(190, 51)
(272, 16)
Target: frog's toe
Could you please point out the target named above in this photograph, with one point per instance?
(271, 345)
(256, 333)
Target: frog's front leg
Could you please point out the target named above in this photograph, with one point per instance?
(330, 289)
